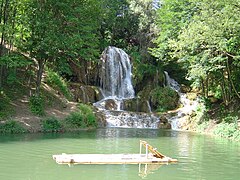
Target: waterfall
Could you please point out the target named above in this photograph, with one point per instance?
(171, 82)
(115, 73)
(188, 106)
(116, 84)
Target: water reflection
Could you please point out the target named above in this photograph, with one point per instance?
(145, 169)
(136, 133)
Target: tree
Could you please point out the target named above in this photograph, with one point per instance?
(209, 47)
(60, 31)
(10, 11)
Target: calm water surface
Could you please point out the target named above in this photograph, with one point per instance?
(29, 157)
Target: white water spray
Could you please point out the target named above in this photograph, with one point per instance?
(188, 106)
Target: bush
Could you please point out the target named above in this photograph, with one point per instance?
(88, 115)
(5, 107)
(11, 127)
(37, 105)
(230, 119)
(75, 120)
(56, 81)
(82, 118)
(51, 124)
(201, 127)
(227, 130)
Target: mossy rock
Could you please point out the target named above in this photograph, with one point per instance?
(164, 99)
(161, 99)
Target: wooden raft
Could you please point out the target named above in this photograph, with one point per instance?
(148, 158)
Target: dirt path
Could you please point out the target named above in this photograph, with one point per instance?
(32, 122)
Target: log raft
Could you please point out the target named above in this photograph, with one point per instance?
(151, 156)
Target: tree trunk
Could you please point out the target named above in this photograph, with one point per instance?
(11, 41)
(41, 64)
(203, 87)
(231, 81)
(1, 76)
(207, 86)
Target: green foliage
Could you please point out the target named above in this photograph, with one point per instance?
(82, 118)
(11, 63)
(171, 18)
(57, 82)
(230, 119)
(201, 127)
(227, 130)
(51, 124)
(204, 38)
(5, 106)
(164, 98)
(12, 77)
(201, 111)
(14, 60)
(11, 127)
(62, 30)
(36, 104)
(88, 114)
(75, 120)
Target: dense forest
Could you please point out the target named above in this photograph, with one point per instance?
(197, 42)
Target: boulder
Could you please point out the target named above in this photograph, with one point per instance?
(85, 94)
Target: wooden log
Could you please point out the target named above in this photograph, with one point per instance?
(110, 159)
(149, 158)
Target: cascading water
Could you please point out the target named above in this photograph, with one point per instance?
(115, 73)
(188, 106)
(115, 81)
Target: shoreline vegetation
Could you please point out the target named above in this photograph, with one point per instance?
(62, 115)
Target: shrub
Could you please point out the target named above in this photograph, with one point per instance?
(201, 127)
(51, 124)
(37, 105)
(11, 127)
(82, 118)
(56, 81)
(230, 119)
(88, 115)
(75, 120)
(5, 107)
(227, 130)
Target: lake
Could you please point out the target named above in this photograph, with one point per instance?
(201, 157)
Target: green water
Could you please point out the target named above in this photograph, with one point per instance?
(29, 157)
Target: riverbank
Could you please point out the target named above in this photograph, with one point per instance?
(216, 120)
(58, 113)
(58, 109)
